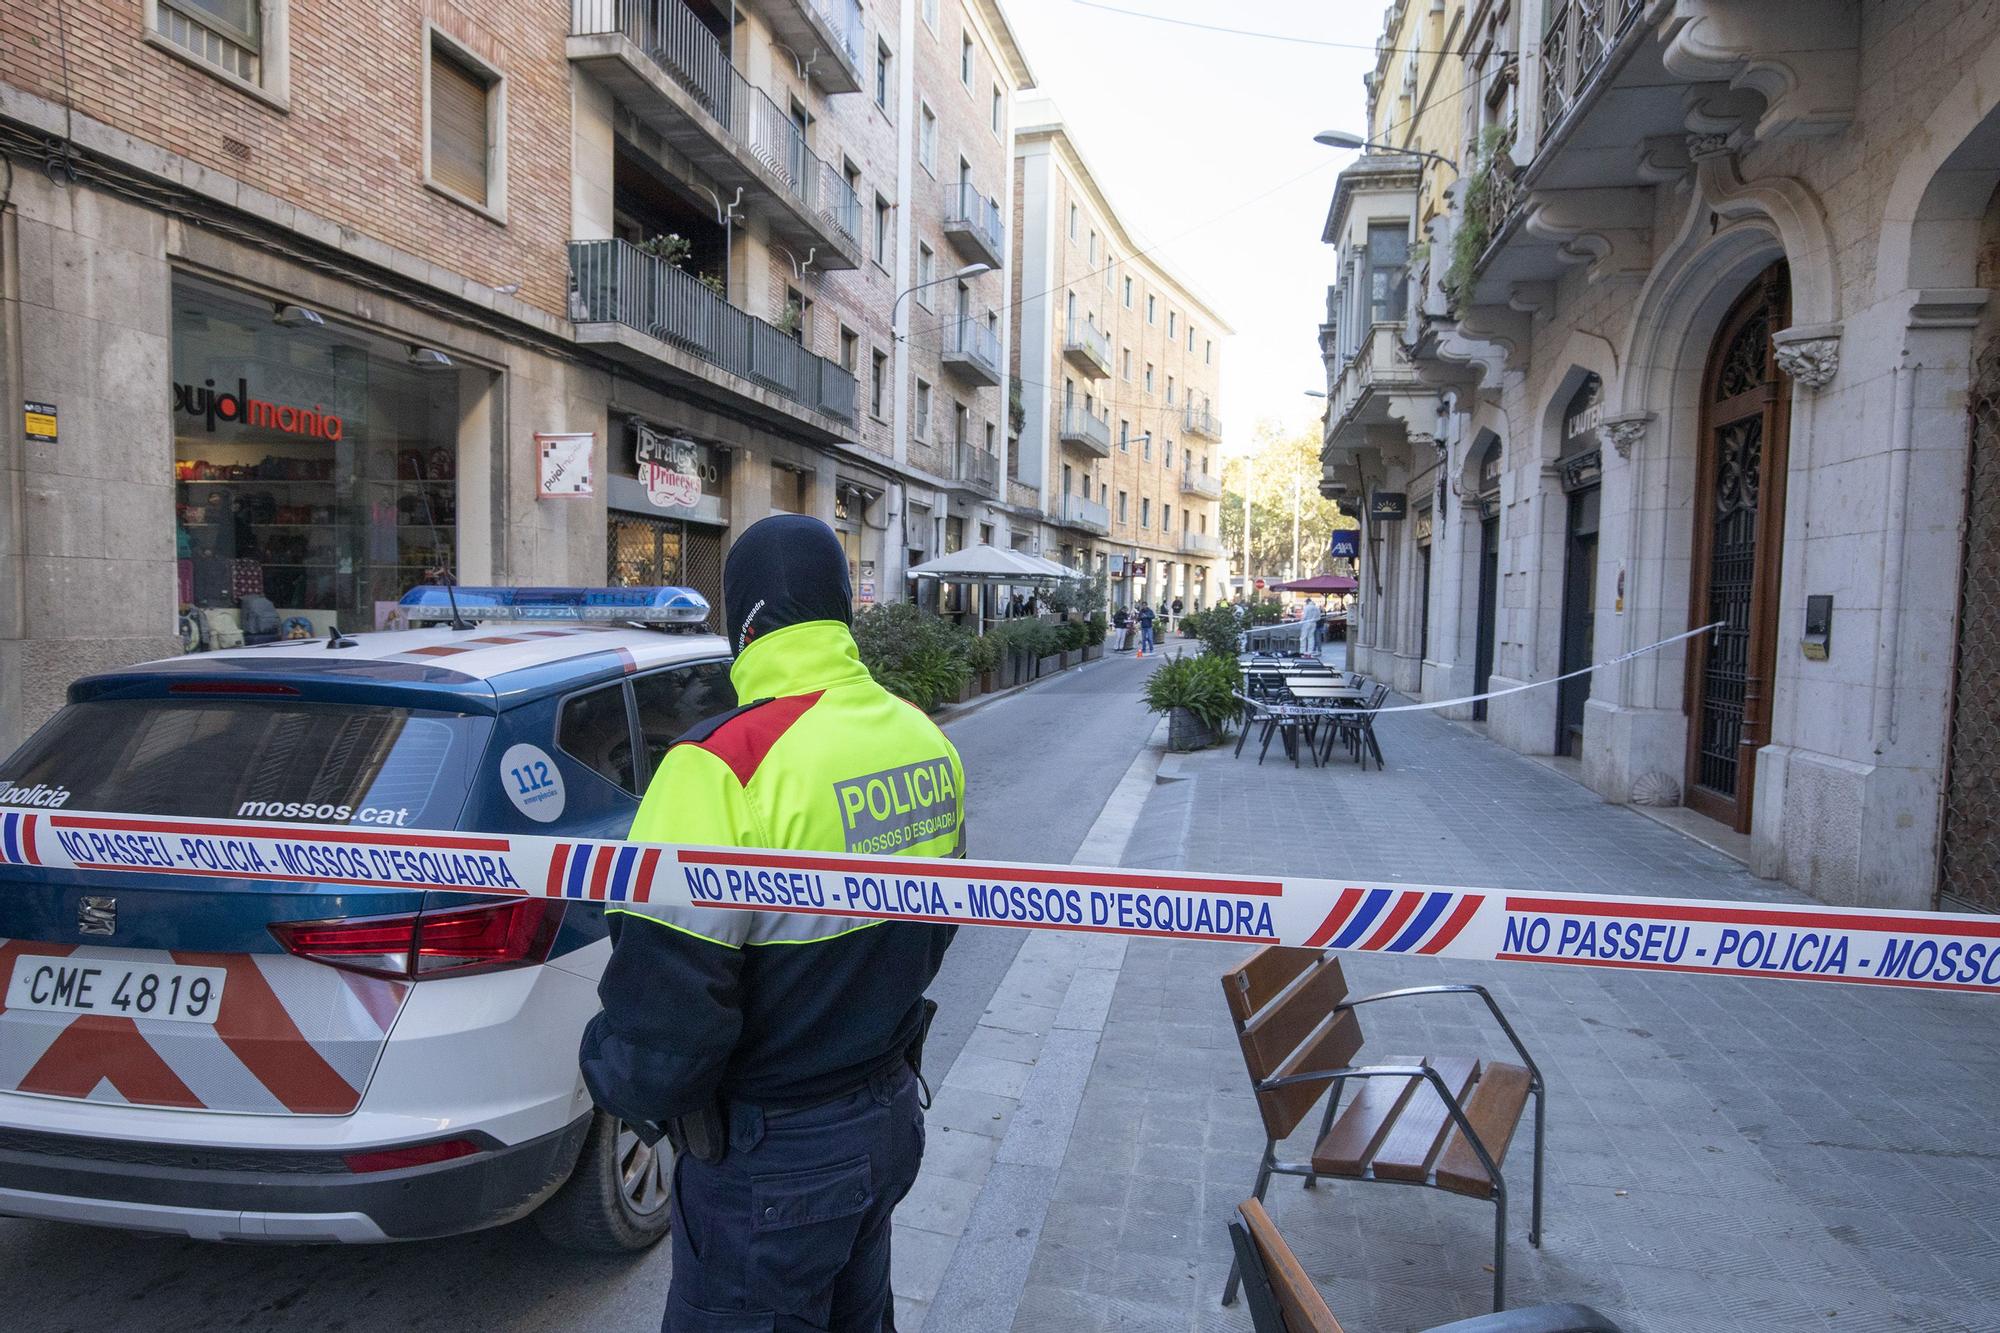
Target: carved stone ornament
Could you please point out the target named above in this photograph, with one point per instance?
(1625, 431)
(1707, 145)
(1810, 357)
(1656, 789)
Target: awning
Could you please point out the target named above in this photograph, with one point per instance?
(992, 564)
(1318, 583)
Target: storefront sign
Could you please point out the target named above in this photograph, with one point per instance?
(38, 422)
(668, 488)
(1344, 542)
(864, 592)
(211, 405)
(1389, 506)
(565, 465)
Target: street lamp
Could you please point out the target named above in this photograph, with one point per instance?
(969, 271)
(1344, 139)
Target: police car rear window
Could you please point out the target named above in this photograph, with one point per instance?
(231, 759)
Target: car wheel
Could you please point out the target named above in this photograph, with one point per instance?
(620, 1196)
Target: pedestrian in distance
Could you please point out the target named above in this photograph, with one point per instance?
(1309, 628)
(1145, 629)
(1175, 622)
(780, 1053)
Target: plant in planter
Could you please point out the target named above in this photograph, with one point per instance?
(982, 657)
(912, 653)
(1198, 696)
(713, 281)
(1094, 631)
(789, 317)
(1217, 629)
(670, 246)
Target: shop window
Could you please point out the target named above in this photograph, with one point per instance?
(672, 701)
(241, 40)
(463, 150)
(315, 468)
(595, 729)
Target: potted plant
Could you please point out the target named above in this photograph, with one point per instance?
(982, 655)
(913, 654)
(1198, 697)
(1094, 632)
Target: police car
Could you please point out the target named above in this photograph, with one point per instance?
(326, 1062)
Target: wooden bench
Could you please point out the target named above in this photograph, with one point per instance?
(1282, 1298)
(1442, 1121)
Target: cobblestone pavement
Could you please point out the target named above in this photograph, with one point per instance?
(1722, 1154)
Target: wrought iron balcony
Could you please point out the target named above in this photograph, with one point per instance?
(1195, 481)
(1090, 433)
(972, 221)
(826, 36)
(974, 468)
(1201, 421)
(665, 65)
(1090, 516)
(973, 350)
(1199, 543)
(1580, 33)
(1088, 349)
(618, 291)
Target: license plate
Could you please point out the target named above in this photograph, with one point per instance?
(116, 988)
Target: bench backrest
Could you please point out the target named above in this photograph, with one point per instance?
(1273, 1276)
(1281, 1000)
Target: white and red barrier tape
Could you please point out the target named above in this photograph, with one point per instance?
(1939, 951)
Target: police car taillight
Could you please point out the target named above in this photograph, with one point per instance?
(417, 946)
(671, 608)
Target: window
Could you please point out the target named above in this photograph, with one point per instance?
(1170, 391)
(852, 175)
(1093, 247)
(1128, 363)
(1072, 222)
(1190, 341)
(965, 59)
(881, 231)
(1110, 263)
(1149, 377)
(1145, 512)
(1128, 293)
(1170, 323)
(242, 39)
(882, 79)
(927, 140)
(1146, 446)
(1166, 518)
(674, 700)
(923, 426)
(1207, 351)
(799, 311)
(999, 110)
(462, 155)
(990, 444)
(960, 419)
(931, 14)
(1151, 312)
(1169, 460)
(1124, 435)
(1103, 492)
(850, 350)
(878, 378)
(1388, 265)
(926, 262)
(596, 731)
(1124, 515)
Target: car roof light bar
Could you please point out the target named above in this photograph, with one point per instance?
(430, 603)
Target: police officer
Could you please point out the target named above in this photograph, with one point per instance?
(778, 1049)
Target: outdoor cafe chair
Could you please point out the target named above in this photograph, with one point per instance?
(1356, 727)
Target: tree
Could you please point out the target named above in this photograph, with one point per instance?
(1280, 474)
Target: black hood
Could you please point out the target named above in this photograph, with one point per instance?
(784, 570)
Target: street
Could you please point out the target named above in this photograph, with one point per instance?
(1039, 765)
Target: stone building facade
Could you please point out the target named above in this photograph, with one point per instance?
(303, 310)
(1704, 344)
(1119, 363)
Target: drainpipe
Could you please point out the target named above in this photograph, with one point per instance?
(1889, 634)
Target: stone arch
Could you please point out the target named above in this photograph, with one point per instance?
(1931, 217)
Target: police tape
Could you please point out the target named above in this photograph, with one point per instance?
(1938, 951)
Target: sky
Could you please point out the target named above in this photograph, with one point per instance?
(1202, 140)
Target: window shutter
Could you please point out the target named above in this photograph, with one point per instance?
(458, 127)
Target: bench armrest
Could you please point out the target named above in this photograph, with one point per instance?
(1538, 1319)
(1459, 988)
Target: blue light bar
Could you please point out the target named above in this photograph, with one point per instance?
(431, 603)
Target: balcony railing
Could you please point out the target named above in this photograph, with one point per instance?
(1579, 35)
(976, 468)
(1199, 543)
(974, 220)
(1194, 481)
(1092, 432)
(1088, 348)
(613, 282)
(680, 45)
(1078, 512)
(973, 348)
(1201, 421)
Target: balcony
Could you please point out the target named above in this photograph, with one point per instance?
(1087, 515)
(641, 310)
(974, 469)
(1088, 348)
(1200, 421)
(826, 36)
(1092, 434)
(1207, 485)
(972, 221)
(973, 350)
(1580, 34)
(1369, 382)
(671, 72)
(1200, 543)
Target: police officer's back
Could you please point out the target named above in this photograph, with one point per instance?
(782, 1039)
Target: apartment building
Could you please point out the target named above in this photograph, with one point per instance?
(1119, 362)
(306, 310)
(1702, 347)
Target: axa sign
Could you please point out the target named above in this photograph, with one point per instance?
(211, 405)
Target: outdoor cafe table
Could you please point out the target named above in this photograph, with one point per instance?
(1340, 696)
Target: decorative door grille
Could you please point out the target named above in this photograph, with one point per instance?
(1969, 854)
(664, 552)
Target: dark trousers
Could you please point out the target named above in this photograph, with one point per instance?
(789, 1232)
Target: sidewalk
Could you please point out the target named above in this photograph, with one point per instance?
(1723, 1154)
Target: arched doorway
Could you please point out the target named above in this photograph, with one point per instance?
(1489, 575)
(1738, 540)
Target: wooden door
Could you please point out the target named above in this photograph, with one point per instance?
(1739, 518)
